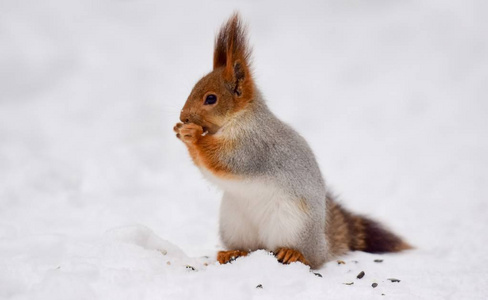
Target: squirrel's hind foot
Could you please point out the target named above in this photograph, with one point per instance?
(287, 256)
(227, 256)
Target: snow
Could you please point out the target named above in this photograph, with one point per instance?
(99, 200)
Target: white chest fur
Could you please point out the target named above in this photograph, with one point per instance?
(257, 214)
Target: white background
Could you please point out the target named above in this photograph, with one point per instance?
(95, 189)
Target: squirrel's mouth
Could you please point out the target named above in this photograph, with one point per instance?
(210, 128)
(207, 126)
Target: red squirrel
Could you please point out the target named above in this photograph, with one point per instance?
(275, 197)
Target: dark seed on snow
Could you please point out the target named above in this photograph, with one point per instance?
(348, 283)
(259, 286)
(341, 262)
(360, 275)
(374, 285)
(317, 274)
(394, 280)
(378, 260)
(190, 268)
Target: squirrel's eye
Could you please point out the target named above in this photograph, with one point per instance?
(210, 99)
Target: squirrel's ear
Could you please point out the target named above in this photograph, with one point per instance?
(238, 78)
(232, 53)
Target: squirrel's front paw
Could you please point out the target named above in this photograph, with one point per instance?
(188, 133)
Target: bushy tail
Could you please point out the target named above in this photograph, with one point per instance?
(347, 231)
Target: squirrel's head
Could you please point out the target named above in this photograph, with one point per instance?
(229, 88)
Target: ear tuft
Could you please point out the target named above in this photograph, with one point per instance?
(220, 49)
(231, 43)
(232, 53)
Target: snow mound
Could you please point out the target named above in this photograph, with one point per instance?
(143, 237)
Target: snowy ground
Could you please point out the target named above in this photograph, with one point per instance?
(99, 200)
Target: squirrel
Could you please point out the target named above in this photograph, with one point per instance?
(274, 195)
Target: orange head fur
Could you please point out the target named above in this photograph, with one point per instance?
(229, 87)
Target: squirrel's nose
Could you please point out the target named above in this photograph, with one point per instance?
(184, 116)
(189, 116)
